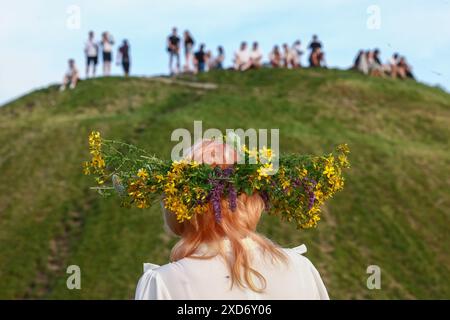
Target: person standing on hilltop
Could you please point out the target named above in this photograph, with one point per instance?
(173, 47)
(200, 59)
(188, 46)
(123, 57)
(91, 52)
(107, 43)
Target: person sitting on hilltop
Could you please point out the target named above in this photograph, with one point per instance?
(317, 58)
(216, 62)
(403, 69)
(363, 62)
(71, 77)
(220, 58)
(316, 47)
(288, 57)
(297, 53)
(392, 65)
(275, 57)
(374, 63)
(242, 58)
(256, 56)
(200, 59)
(357, 60)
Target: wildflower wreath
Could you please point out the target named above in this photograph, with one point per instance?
(295, 192)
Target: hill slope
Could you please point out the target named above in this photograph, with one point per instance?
(394, 211)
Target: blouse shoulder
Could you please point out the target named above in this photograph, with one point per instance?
(306, 267)
(151, 285)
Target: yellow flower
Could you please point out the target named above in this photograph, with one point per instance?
(266, 153)
(86, 169)
(329, 171)
(343, 148)
(194, 164)
(303, 172)
(159, 177)
(143, 174)
(141, 204)
(253, 153)
(343, 160)
(170, 188)
(265, 170)
(318, 194)
(285, 184)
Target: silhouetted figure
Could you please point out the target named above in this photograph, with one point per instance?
(200, 59)
(173, 47)
(123, 57)
(189, 42)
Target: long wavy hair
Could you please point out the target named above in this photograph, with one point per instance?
(234, 226)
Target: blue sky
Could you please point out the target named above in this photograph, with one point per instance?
(36, 40)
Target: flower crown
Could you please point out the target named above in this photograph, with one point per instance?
(295, 192)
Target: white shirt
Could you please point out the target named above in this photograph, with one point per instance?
(242, 56)
(91, 48)
(203, 279)
(256, 54)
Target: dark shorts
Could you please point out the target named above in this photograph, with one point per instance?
(93, 60)
(126, 66)
(107, 57)
(201, 67)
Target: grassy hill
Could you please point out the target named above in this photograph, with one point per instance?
(394, 211)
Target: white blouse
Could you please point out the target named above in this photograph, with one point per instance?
(202, 279)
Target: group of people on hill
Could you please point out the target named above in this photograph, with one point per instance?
(92, 51)
(194, 62)
(244, 58)
(290, 57)
(369, 63)
(201, 60)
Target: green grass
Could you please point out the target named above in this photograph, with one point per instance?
(394, 211)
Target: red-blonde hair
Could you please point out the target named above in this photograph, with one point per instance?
(234, 226)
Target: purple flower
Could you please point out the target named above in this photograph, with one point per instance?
(216, 196)
(227, 171)
(232, 197)
(311, 199)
